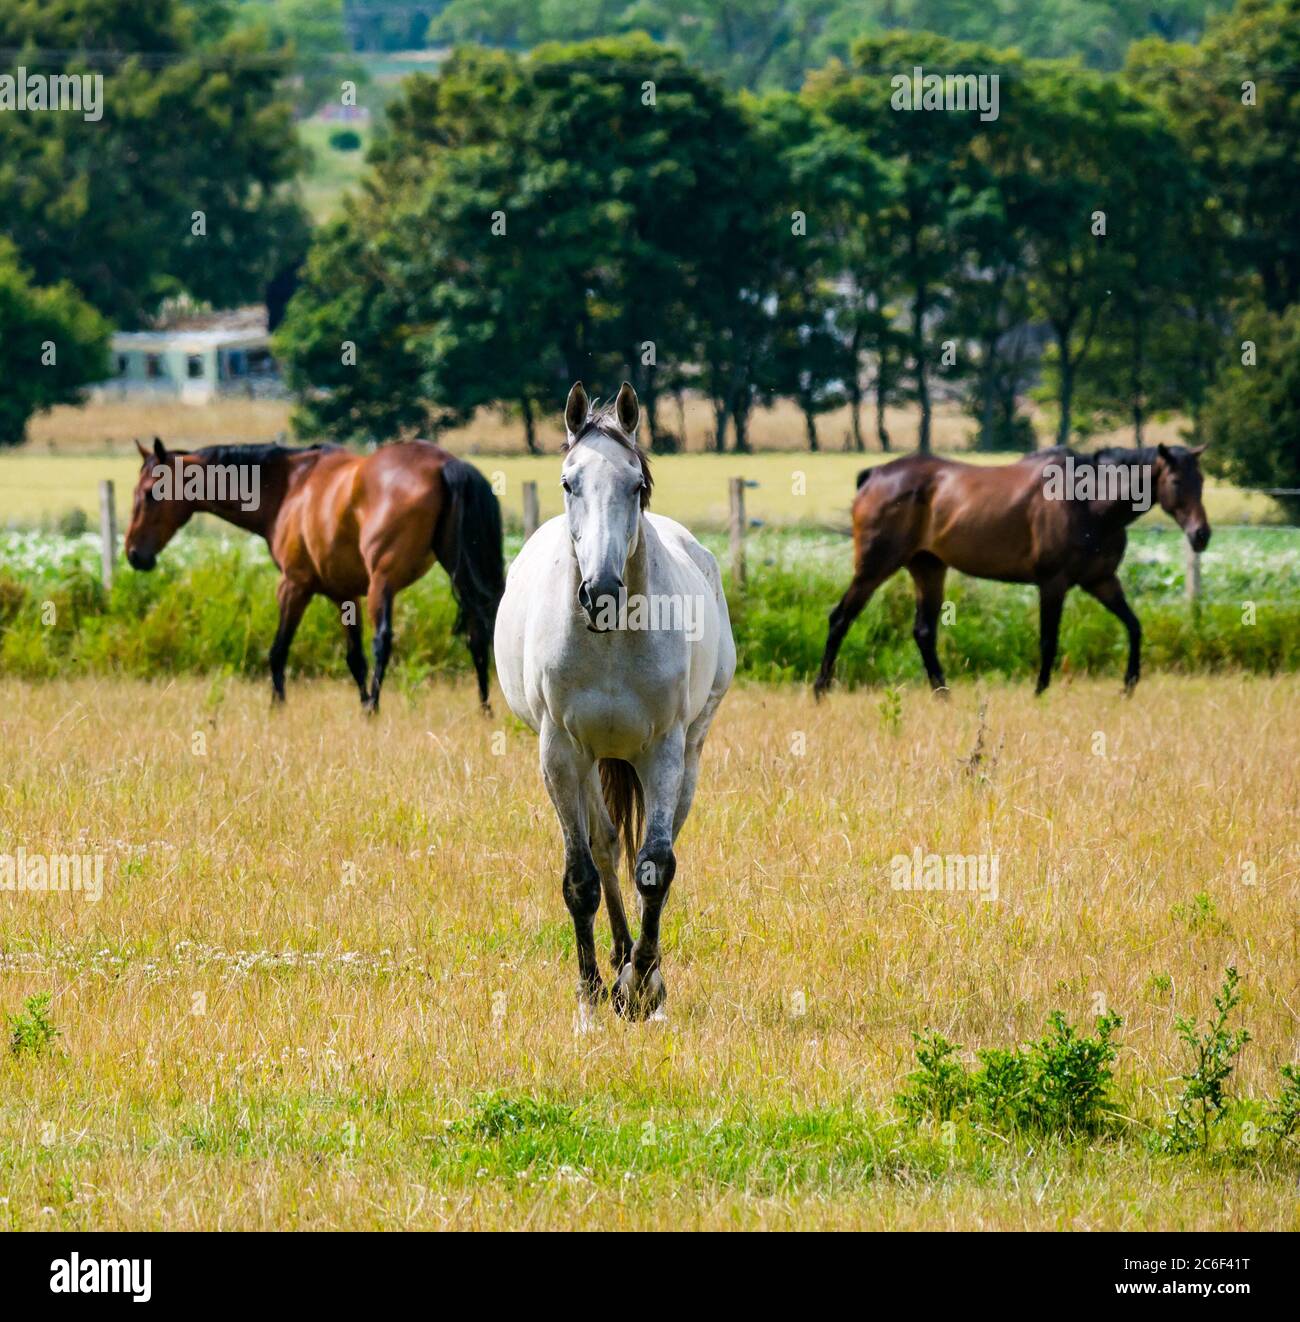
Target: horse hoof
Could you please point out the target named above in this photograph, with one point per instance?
(639, 998)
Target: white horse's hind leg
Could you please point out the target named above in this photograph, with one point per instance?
(565, 768)
(604, 849)
(639, 991)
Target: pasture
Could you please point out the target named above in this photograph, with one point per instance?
(792, 487)
(330, 981)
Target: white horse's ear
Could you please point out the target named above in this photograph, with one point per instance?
(626, 408)
(575, 411)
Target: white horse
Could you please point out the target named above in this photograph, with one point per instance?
(613, 642)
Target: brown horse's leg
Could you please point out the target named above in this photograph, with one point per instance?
(865, 582)
(356, 648)
(293, 599)
(1111, 595)
(1051, 598)
(380, 603)
(928, 573)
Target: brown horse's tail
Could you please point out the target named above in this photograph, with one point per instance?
(626, 803)
(467, 542)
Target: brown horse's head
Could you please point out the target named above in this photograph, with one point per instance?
(1177, 476)
(154, 522)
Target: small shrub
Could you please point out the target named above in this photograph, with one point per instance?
(345, 140)
(1069, 1076)
(1203, 1100)
(1282, 1117)
(891, 709)
(941, 1086)
(73, 522)
(31, 1033)
(495, 1116)
(1057, 1085)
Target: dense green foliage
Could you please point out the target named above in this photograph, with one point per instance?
(193, 121)
(1253, 414)
(210, 607)
(52, 340)
(770, 43)
(1056, 1085)
(607, 211)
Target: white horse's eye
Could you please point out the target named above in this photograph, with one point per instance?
(564, 482)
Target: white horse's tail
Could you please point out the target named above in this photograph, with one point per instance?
(625, 800)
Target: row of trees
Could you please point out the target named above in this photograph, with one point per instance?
(771, 43)
(184, 185)
(603, 210)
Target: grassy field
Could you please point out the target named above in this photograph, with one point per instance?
(330, 982)
(38, 487)
(332, 172)
(210, 608)
(112, 423)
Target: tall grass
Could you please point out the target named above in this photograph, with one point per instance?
(210, 607)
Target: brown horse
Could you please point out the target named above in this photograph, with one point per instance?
(1055, 519)
(341, 525)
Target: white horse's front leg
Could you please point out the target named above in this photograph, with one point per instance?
(640, 990)
(564, 769)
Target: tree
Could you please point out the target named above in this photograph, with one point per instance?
(940, 186)
(185, 183)
(52, 341)
(1252, 416)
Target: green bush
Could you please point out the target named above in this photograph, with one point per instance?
(345, 140)
(1057, 1085)
(1203, 1101)
(210, 606)
(31, 1033)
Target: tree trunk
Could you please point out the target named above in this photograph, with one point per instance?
(882, 394)
(810, 426)
(530, 426)
(855, 389)
(740, 421)
(720, 415)
(650, 404)
(988, 400)
(1065, 397)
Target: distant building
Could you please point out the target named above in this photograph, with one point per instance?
(196, 360)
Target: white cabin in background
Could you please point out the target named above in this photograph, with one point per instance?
(197, 359)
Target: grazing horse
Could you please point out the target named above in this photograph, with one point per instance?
(341, 525)
(1055, 519)
(613, 642)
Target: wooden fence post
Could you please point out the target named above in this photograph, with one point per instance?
(107, 533)
(530, 509)
(738, 531)
(1192, 576)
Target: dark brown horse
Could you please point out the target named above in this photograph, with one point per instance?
(341, 525)
(1055, 519)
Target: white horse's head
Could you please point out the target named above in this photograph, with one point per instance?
(606, 481)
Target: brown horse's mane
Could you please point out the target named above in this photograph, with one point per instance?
(262, 455)
(602, 418)
(1111, 454)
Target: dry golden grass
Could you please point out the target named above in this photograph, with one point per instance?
(373, 915)
(114, 424)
